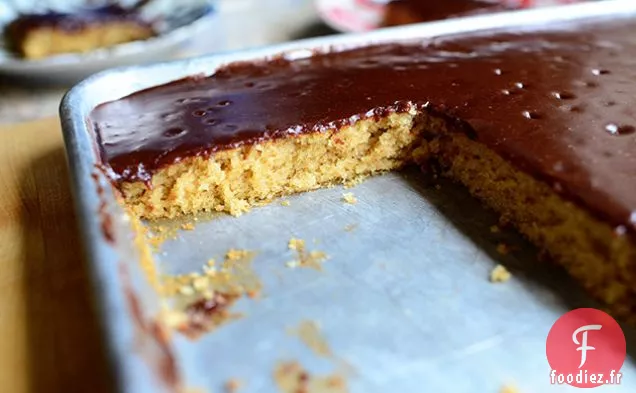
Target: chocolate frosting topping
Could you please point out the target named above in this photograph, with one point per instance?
(559, 104)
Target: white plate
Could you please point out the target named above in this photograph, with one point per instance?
(358, 16)
(180, 20)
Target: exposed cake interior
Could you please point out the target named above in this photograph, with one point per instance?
(236, 179)
(539, 125)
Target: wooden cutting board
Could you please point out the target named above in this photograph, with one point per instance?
(49, 340)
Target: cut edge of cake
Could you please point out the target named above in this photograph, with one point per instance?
(233, 180)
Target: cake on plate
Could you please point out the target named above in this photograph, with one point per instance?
(538, 124)
(404, 12)
(37, 36)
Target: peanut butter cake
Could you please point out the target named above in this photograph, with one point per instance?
(538, 124)
(403, 12)
(36, 36)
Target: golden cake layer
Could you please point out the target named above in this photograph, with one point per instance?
(538, 125)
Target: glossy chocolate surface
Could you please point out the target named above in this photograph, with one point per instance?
(558, 104)
(411, 11)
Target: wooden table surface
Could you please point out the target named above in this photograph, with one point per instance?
(49, 340)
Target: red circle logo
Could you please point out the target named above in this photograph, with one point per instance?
(586, 348)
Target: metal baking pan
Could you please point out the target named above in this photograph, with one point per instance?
(404, 302)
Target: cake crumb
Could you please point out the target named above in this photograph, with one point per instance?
(503, 249)
(495, 229)
(296, 244)
(253, 294)
(186, 290)
(200, 283)
(233, 385)
(188, 226)
(499, 274)
(201, 301)
(508, 389)
(311, 259)
(209, 271)
(349, 198)
(157, 234)
(350, 227)
(285, 203)
(309, 333)
(235, 255)
(291, 377)
(174, 318)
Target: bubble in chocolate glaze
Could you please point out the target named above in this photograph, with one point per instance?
(564, 95)
(199, 113)
(225, 103)
(532, 115)
(599, 71)
(617, 129)
(572, 108)
(174, 132)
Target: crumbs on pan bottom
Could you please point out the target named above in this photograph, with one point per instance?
(349, 198)
(202, 301)
(304, 258)
(291, 377)
(233, 385)
(499, 274)
(309, 333)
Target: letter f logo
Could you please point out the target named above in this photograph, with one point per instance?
(583, 344)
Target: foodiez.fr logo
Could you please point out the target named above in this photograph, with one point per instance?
(586, 348)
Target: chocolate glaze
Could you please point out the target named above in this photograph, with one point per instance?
(206, 314)
(152, 339)
(412, 11)
(71, 21)
(559, 104)
(102, 210)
